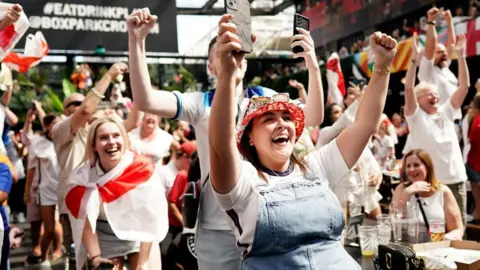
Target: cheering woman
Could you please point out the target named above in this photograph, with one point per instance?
(114, 201)
(283, 212)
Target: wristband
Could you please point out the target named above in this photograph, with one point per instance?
(432, 23)
(384, 71)
(414, 61)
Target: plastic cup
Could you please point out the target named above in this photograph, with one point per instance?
(368, 240)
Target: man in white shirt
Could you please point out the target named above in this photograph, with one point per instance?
(215, 243)
(434, 65)
(431, 124)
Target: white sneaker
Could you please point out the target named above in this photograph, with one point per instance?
(45, 265)
(21, 218)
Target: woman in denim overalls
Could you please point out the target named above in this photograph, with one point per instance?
(282, 209)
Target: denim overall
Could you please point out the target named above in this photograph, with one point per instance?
(299, 227)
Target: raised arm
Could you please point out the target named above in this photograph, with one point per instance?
(314, 105)
(7, 95)
(93, 98)
(302, 93)
(327, 134)
(39, 111)
(431, 43)
(224, 156)
(463, 75)
(451, 38)
(27, 128)
(161, 103)
(134, 119)
(410, 98)
(354, 138)
(11, 117)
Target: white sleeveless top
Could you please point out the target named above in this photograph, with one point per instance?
(433, 206)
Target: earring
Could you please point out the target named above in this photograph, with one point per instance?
(251, 143)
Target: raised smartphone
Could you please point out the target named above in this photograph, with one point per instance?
(240, 9)
(303, 22)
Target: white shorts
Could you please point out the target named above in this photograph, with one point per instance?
(47, 195)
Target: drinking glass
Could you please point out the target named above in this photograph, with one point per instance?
(384, 229)
(368, 240)
(437, 230)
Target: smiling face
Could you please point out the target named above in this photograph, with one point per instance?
(428, 100)
(109, 145)
(336, 112)
(415, 169)
(273, 136)
(150, 123)
(441, 56)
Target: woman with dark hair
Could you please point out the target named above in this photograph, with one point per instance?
(43, 166)
(281, 207)
(437, 199)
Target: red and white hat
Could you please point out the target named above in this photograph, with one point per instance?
(258, 106)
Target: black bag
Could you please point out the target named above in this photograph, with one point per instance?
(398, 257)
(191, 203)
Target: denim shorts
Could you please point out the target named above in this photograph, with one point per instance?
(472, 175)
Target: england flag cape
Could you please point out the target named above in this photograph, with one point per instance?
(132, 199)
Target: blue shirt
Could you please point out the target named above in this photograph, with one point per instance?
(5, 138)
(5, 186)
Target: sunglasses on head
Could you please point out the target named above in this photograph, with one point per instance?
(75, 103)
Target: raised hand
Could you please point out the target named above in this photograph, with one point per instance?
(229, 45)
(304, 40)
(384, 48)
(30, 116)
(140, 23)
(116, 69)
(13, 13)
(461, 46)
(416, 50)
(296, 84)
(432, 14)
(447, 16)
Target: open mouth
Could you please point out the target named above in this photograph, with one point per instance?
(280, 139)
(112, 151)
(413, 175)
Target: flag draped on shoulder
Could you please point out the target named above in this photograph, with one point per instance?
(10, 35)
(129, 196)
(335, 79)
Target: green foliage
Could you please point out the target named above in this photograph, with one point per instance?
(68, 87)
(186, 81)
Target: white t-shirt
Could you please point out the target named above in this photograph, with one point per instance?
(326, 163)
(383, 146)
(42, 153)
(168, 173)
(157, 148)
(436, 135)
(444, 78)
(195, 109)
(466, 140)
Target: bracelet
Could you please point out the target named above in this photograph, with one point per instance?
(100, 96)
(96, 256)
(383, 71)
(432, 23)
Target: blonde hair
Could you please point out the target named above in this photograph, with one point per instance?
(90, 154)
(424, 86)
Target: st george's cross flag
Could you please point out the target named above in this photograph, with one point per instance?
(335, 79)
(36, 48)
(10, 35)
(130, 196)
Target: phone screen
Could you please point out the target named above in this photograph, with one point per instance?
(303, 22)
(240, 9)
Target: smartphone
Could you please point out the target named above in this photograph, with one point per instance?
(303, 22)
(240, 9)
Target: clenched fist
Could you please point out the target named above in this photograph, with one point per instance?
(140, 23)
(117, 69)
(384, 48)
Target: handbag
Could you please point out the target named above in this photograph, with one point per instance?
(191, 203)
(398, 257)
